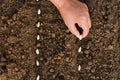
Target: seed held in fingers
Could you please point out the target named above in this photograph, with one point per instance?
(80, 37)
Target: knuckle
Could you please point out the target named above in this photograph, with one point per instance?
(84, 6)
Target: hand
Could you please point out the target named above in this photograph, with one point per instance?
(73, 11)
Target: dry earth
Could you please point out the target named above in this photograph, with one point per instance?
(59, 59)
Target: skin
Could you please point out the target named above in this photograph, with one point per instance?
(73, 11)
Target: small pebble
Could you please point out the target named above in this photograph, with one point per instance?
(93, 77)
(51, 70)
(93, 70)
(89, 63)
(88, 68)
(12, 39)
(80, 49)
(39, 11)
(38, 45)
(38, 24)
(79, 68)
(37, 51)
(37, 63)
(110, 47)
(59, 57)
(3, 77)
(86, 52)
(38, 37)
(53, 35)
(67, 60)
(38, 77)
(68, 45)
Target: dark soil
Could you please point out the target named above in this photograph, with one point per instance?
(59, 57)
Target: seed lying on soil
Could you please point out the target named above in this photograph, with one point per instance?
(38, 77)
(79, 68)
(39, 11)
(38, 37)
(38, 24)
(37, 51)
(80, 49)
(37, 63)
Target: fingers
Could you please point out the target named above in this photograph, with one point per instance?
(73, 30)
(83, 25)
(88, 19)
(85, 30)
(89, 22)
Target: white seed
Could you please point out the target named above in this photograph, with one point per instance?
(80, 49)
(38, 24)
(37, 51)
(38, 77)
(37, 63)
(39, 11)
(38, 37)
(80, 37)
(79, 68)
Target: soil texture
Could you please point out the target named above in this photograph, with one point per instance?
(58, 58)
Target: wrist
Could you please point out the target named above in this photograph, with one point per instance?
(58, 3)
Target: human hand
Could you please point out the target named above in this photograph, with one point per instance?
(73, 11)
